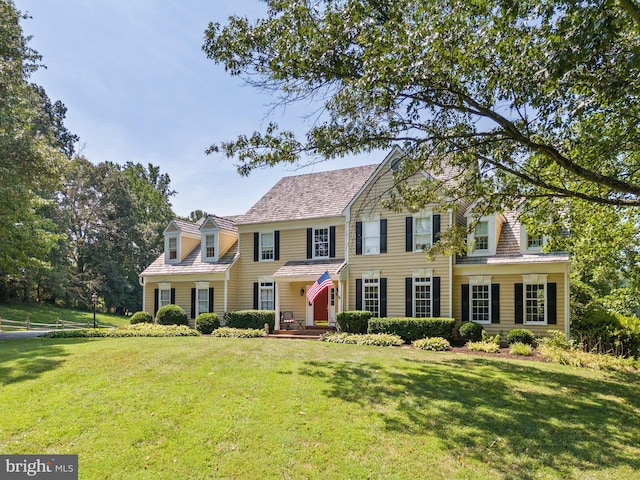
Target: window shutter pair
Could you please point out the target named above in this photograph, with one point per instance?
(495, 302)
(552, 303)
(383, 236)
(256, 246)
(156, 299)
(435, 296)
(194, 293)
(435, 231)
(332, 242)
(382, 292)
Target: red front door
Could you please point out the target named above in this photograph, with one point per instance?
(320, 307)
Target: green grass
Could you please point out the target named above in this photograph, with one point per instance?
(45, 313)
(203, 407)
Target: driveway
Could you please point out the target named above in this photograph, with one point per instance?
(22, 334)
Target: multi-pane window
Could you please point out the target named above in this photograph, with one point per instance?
(267, 296)
(371, 295)
(173, 248)
(164, 298)
(266, 246)
(320, 243)
(371, 237)
(535, 241)
(480, 309)
(210, 245)
(422, 297)
(534, 299)
(481, 236)
(203, 300)
(422, 235)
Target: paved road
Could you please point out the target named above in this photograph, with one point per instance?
(22, 334)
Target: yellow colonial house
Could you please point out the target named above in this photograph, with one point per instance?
(334, 222)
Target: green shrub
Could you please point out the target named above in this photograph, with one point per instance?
(355, 321)
(520, 335)
(172, 315)
(599, 331)
(251, 319)
(489, 347)
(136, 330)
(557, 339)
(518, 348)
(579, 358)
(238, 332)
(207, 322)
(377, 339)
(410, 329)
(436, 344)
(470, 331)
(141, 317)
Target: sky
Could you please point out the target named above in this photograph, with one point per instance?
(139, 88)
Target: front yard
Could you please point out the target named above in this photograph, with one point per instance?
(267, 408)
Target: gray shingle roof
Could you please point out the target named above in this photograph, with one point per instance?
(188, 227)
(311, 269)
(313, 195)
(192, 264)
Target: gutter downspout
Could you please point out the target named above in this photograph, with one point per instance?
(144, 292)
(567, 309)
(450, 270)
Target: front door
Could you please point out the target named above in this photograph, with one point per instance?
(320, 307)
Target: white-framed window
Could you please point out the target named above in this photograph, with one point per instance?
(173, 248)
(531, 243)
(422, 297)
(321, 242)
(267, 247)
(210, 246)
(371, 295)
(535, 299)
(483, 239)
(202, 303)
(535, 241)
(164, 294)
(481, 236)
(266, 298)
(422, 232)
(480, 303)
(371, 237)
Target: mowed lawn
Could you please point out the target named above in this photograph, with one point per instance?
(189, 408)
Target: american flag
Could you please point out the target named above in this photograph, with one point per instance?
(316, 289)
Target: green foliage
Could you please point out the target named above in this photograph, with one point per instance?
(141, 317)
(520, 335)
(251, 319)
(579, 358)
(519, 348)
(137, 330)
(599, 331)
(355, 321)
(556, 339)
(172, 315)
(377, 339)
(482, 346)
(436, 344)
(410, 329)
(207, 322)
(238, 332)
(470, 331)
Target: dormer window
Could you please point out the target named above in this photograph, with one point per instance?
(172, 249)
(481, 236)
(210, 246)
(535, 241)
(530, 243)
(483, 239)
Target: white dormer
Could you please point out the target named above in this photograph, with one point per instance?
(531, 243)
(483, 240)
(210, 240)
(180, 238)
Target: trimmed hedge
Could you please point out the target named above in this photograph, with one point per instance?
(376, 339)
(520, 335)
(238, 332)
(355, 321)
(470, 331)
(207, 322)
(141, 317)
(251, 319)
(137, 330)
(172, 315)
(410, 329)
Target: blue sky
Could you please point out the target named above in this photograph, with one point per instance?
(139, 88)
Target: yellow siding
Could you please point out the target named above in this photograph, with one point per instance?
(225, 242)
(187, 245)
(183, 296)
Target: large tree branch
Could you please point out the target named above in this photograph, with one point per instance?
(632, 9)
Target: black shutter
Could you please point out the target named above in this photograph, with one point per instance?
(383, 297)
(495, 303)
(436, 227)
(332, 242)
(173, 296)
(409, 234)
(210, 299)
(256, 246)
(408, 297)
(552, 304)
(358, 238)
(383, 235)
(255, 295)
(435, 295)
(276, 245)
(193, 303)
(519, 303)
(309, 242)
(156, 299)
(465, 302)
(358, 294)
